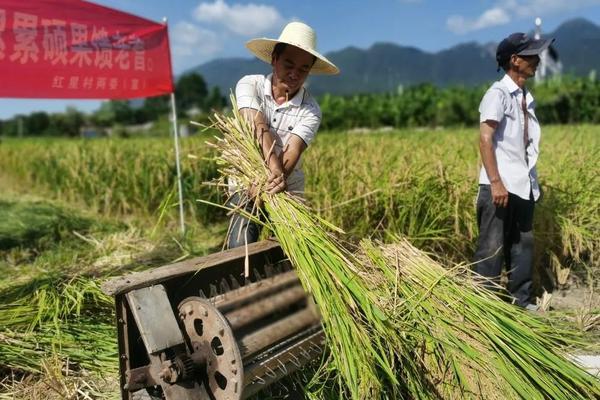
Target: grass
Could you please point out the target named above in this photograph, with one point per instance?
(422, 185)
(419, 184)
(55, 323)
(112, 176)
(36, 224)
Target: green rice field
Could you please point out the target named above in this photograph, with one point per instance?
(75, 212)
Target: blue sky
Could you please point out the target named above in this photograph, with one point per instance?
(202, 30)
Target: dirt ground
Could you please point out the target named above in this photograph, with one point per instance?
(576, 298)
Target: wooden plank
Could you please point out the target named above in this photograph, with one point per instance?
(141, 279)
(123, 343)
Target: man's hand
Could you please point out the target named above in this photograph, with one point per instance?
(254, 194)
(499, 194)
(276, 182)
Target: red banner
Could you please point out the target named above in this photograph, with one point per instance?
(76, 49)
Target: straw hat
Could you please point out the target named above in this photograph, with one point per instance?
(299, 35)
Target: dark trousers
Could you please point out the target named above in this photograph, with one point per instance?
(506, 237)
(241, 229)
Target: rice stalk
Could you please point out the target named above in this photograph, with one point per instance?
(58, 381)
(473, 345)
(356, 329)
(84, 344)
(48, 300)
(393, 333)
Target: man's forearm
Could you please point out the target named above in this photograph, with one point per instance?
(488, 157)
(291, 154)
(267, 143)
(265, 138)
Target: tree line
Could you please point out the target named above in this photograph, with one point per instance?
(191, 94)
(562, 100)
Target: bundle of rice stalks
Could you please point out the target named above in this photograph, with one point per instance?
(402, 331)
(355, 327)
(468, 342)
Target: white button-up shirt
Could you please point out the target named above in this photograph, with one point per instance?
(502, 103)
(300, 116)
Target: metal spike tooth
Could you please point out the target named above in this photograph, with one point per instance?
(270, 373)
(269, 270)
(316, 348)
(259, 380)
(221, 297)
(282, 367)
(201, 294)
(294, 360)
(213, 290)
(258, 277)
(225, 286)
(305, 353)
(234, 282)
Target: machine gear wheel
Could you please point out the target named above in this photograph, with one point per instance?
(211, 339)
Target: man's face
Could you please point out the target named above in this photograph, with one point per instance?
(291, 69)
(528, 65)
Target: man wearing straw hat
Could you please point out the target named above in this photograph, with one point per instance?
(285, 116)
(508, 183)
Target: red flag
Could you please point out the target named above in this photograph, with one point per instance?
(76, 49)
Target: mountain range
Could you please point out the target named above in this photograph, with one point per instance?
(385, 66)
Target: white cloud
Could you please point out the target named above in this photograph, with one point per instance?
(504, 11)
(189, 39)
(247, 19)
(492, 17)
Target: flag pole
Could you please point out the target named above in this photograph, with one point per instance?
(177, 162)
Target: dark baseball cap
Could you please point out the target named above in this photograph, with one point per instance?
(520, 44)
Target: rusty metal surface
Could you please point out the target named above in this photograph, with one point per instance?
(238, 335)
(123, 343)
(154, 318)
(289, 358)
(177, 369)
(210, 336)
(238, 297)
(137, 280)
(271, 334)
(186, 390)
(139, 378)
(264, 307)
